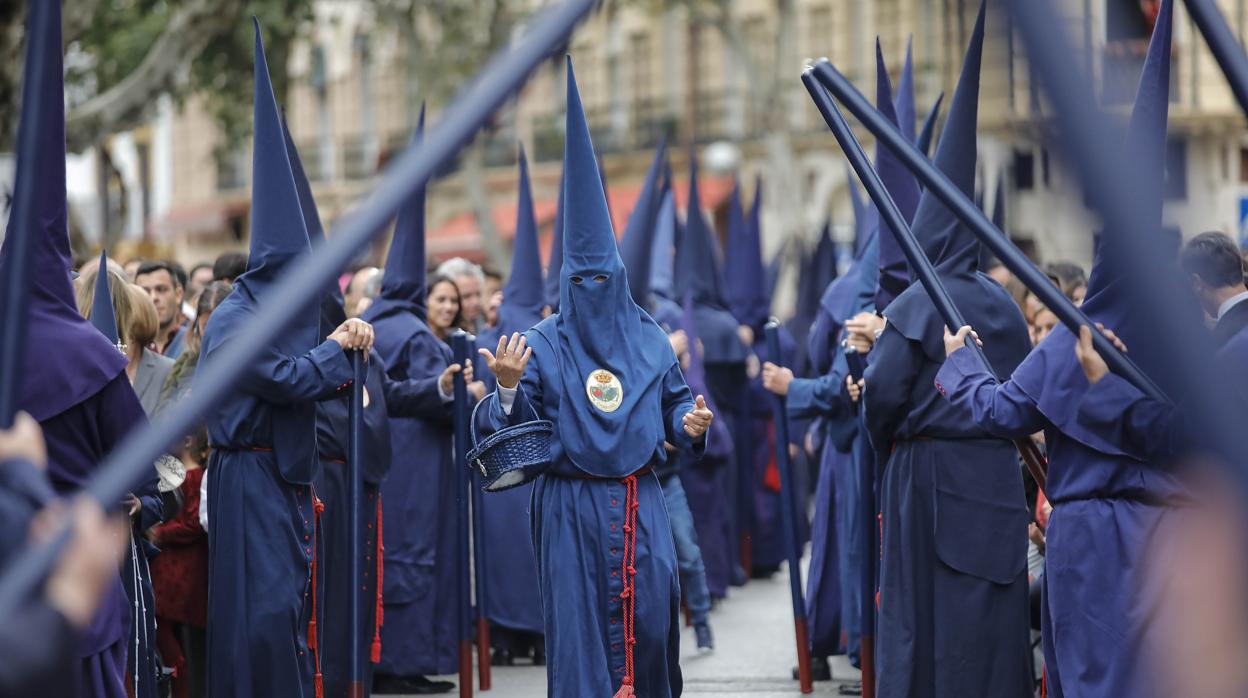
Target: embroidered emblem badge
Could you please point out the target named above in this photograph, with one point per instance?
(604, 390)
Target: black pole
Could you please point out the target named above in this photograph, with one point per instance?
(459, 350)
(970, 215)
(480, 559)
(922, 266)
(871, 555)
(1226, 49)
(745, 483)
(305, 280)
(355, 465)
(788, 506)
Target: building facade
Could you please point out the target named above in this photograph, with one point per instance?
(647, 73)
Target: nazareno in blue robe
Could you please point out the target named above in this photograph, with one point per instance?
(1111, 494)
(386, 399)
(264, 460)
(420, 633)
(603, 372)
(953, 585)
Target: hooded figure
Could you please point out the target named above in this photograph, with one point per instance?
(264, 455)
(953, 572)
(604, 373)
(83, 399)
(333, 484)
(637, 244)
(1109, 498)
(666, 310)
(419, 587)
(515, 604)
(839, 536)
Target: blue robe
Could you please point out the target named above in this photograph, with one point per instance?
(78, 439)
(263, 520)
(578, 536)
(834, 585)
(703, 480)
(1106, 509)
(953, 585)
(385, 398)
(420, 634)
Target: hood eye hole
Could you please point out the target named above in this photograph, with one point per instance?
(601, 278)
(578, 280)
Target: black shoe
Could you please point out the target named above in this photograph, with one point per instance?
(539, 656)
(820, 670)
(502, 657)
(851, 689)
(410, 685)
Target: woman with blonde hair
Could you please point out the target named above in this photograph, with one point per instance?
(137, 324)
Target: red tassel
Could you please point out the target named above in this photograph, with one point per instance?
(626, 691)
(380, 616)
(320, 686)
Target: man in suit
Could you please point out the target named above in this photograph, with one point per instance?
(1216, 272)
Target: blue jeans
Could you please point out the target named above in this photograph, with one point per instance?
(688, 554)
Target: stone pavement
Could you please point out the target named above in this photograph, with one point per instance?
(753, 658)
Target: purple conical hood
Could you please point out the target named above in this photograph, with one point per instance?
(85, 360)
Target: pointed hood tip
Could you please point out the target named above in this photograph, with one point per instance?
(103, 313)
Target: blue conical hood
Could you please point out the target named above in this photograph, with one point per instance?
(403, 283)
(905, 90)
(894, 274)
(696, 251)
(1146, 137)
(924, 141)
(610, 355)
(948, 243)
(524, 296)
(333, 311)
(278, 233)
(663, 258)
(85, 361)
(103, 314)
(555, 265)
(745, 277)
(637, 245)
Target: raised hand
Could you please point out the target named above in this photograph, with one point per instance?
(698, 420)
(508, 360)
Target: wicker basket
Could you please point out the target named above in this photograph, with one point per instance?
(512, 456)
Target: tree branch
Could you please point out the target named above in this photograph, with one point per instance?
(165, 69)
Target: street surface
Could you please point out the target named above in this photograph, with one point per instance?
(753, 657)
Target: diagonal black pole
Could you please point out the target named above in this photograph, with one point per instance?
(306, 278)
(788, 519)
(1111, 177)
(922, 266)
(978, 223)
(1226, 49)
